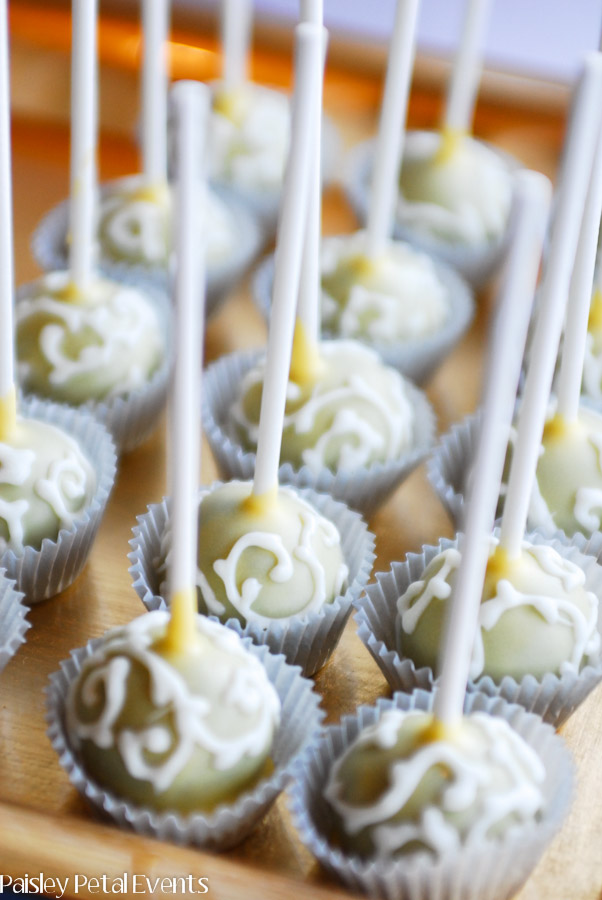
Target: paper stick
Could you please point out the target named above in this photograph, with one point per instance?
(237, 21)
(466, 72)
(289, 248)
(391, 133)
(509, 334)
(191, 105)
(575, 333)
(155, 79)
(308, 306)
(84, 123)
(7, 387)
(568, 211)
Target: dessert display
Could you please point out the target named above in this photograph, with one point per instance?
(183, 727)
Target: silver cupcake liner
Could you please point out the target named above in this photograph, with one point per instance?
(42, 573)
(476, 264)
(131, 418)
(553, 698)
(13, 624)
(48, 246)
(364, 489)
(449, 464)
(489, 868)
(417, 358)
(307, 641)
(227, 825)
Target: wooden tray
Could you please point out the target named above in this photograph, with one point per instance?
(44, 825)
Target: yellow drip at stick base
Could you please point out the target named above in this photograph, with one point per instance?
(306, 364)
(8, 413)
(451, 138)
(260, 504)
(181, 636)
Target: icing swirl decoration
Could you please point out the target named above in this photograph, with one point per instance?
(173, 733)
(536, 616)
(355, 414)
(463, 199)
(45, 484)
(135, 224)
(107, 344)
(395, 793)
(249, 136)
(394, 297)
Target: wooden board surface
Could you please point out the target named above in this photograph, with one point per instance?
(44, 825)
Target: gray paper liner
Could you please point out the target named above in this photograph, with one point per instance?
(13, 624)
(307, 641)
(450, 461)
(553, 698)
(131, 418)
(364, 489)
(477, 264)
(417, 359)
(492, 869)
(42, 573)
(301, 716)
(49, 250)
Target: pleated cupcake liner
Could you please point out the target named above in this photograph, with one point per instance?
(13, 621)
(449, 464)
(307, 640)
(364, 489)
(416, 358)
(49, 248)
(228, 824)
(478, 264)
(552, 697)
(493, 868)
(42, 573)
(131, 418)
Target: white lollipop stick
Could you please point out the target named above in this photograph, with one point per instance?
(289, 248)
(155, 27)
(237, 21)
(466, 73)
(308, 306)
(570, 199)
(391, 134)
(191, 105)
(84, 120)
(7, 376)
(312, 11)
(509, 335)
(575, 334)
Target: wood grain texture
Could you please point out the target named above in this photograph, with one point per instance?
(44, 825)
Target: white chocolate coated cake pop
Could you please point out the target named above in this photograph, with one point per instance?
(536, 615)
(45, 483)
(89, 345)
(400, 789)
(185, 732)
(355, 412)
(393, 296)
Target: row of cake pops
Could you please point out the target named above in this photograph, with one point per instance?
(498, 786)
